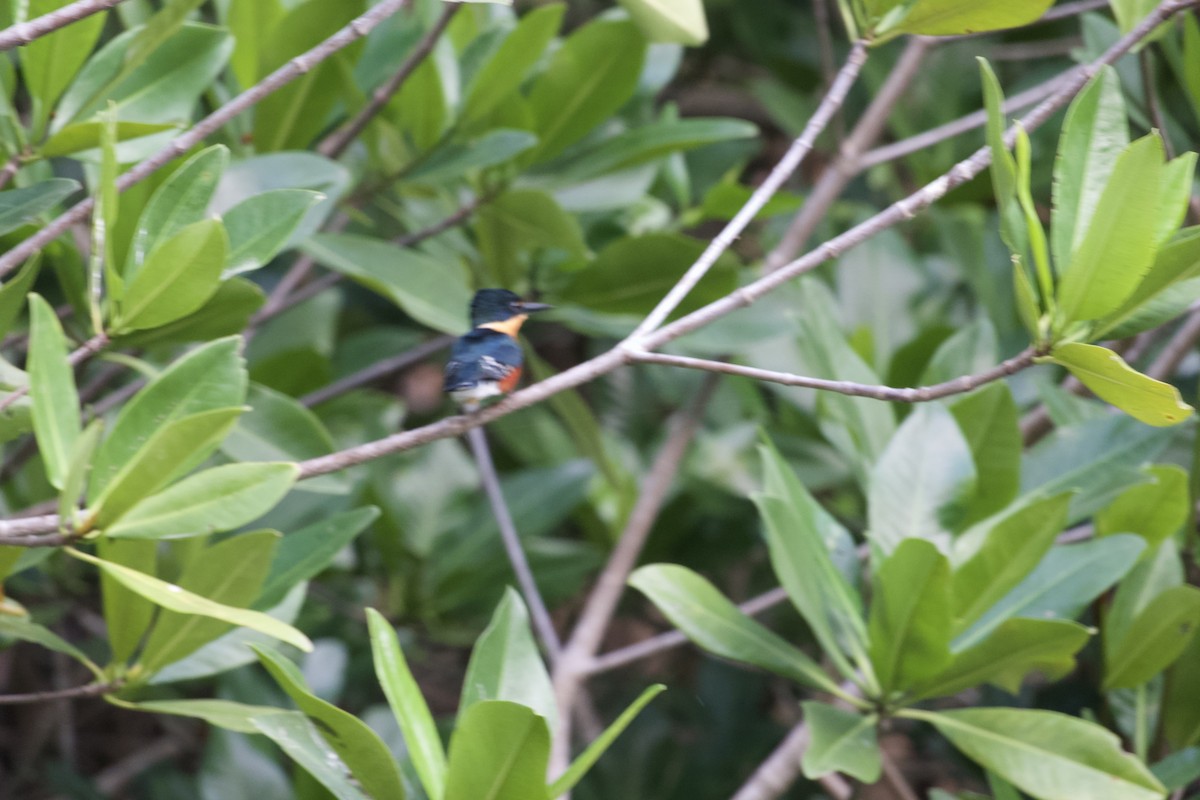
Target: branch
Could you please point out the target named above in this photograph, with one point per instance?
(779, 771)
(298, 66)
(89, 690)
(376, 371)
(542, 623)
(337, 142)
(23, 33)
(800, 148)
(919, 394)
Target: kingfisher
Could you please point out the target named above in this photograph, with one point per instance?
(486, 361)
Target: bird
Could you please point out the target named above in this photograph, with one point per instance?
(486, 361)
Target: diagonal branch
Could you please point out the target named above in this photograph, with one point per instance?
(918, 394)
(301, 64)
(23, 33)
(800, 148)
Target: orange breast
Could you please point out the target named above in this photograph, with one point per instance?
(510, 381)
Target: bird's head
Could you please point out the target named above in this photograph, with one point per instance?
(501, 310)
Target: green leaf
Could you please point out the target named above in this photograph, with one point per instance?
(990, 424)
(1010, 652)
(954, 17)
(705, 616)
(412, 714)
(52, 391)
(457, 160)
(499, 751)
(1094, 134)
(910, 631)
(1046, 754)
(800, 535)
(1130, 12)
(589, 77)
(51, 61)
(631, 275)
(361, 749)
(1154, 511)
(174, 598)
(842, 741)
(1106, 373)
(261, 226)
(506, 664)
(226, 313)
(304, 553)
(297, 736)
(512, 61)
(1004, 168)
(217, 499)
(675, 21)
(591, 755)
(921, 481)
(19, 206)
(1157, 570)
(426, 289)
(1176, 262)
(1119, 245)
(247, 22)
(1179, 769)
(519, 221)
(13, 294)
(76, 478)
(1067, 579)
(208, 378)
(228, 572)
(127, 614)
(169, 451)
(279, 428)
(1013, 547)
(79, 137)
(1181, 699)
(222, 713)
(1154, 640)
(180, 201)
(27, 630)
(179, 275)
(1178, 176)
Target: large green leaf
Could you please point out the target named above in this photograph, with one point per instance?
(428, 290)
(921, 481)
(799, 537)
(304, 553)
(910, 630)
(1003, 169)
(1106, 373)
(1176, 262)
(705, 616)
(1155, 638)
(580, 766)
(1012, 650)
(180, 201)
(678, 21)
(261, 226)
(989, 421)
(519, 221)
(227, 714)
(1046, 754)
(591, 76)
(127, 613)
(412, 714)
(299, 737)
(19, 206)
(452, 162)
(1094, 134)
(1119, 245)
(178, 276)
(361, 749)
(207, 378)
(174, 598)
(1013, 547)
(169, 451)
(1154, 510)
(842, 741)
(52, 391)
(510, 64)
(954, 17)
(217, 499)
(51, 61)
(1067, 579)
(83, 136)
(506, 664)
(499, 751)
(1159, 569)
(1178, 177)
(229, 572)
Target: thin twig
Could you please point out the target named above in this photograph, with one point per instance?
(10, 169)
(301, 64)
(22, 33)
(918, 394)
(74, 359)
(542, 624)
(1176, 349)
(336, 143)
(588, 632)
(88, 690)
(847, 164)
(800, 148)
(895, 778)
(780, 769)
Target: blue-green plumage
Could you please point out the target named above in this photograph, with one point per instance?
(487, 361)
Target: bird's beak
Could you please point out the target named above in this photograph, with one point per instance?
(529, 308)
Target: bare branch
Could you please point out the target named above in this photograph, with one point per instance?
(305, 62)
(919, 394)
(89, 690)
(336, 143)
(23, 33)
(800, 148)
